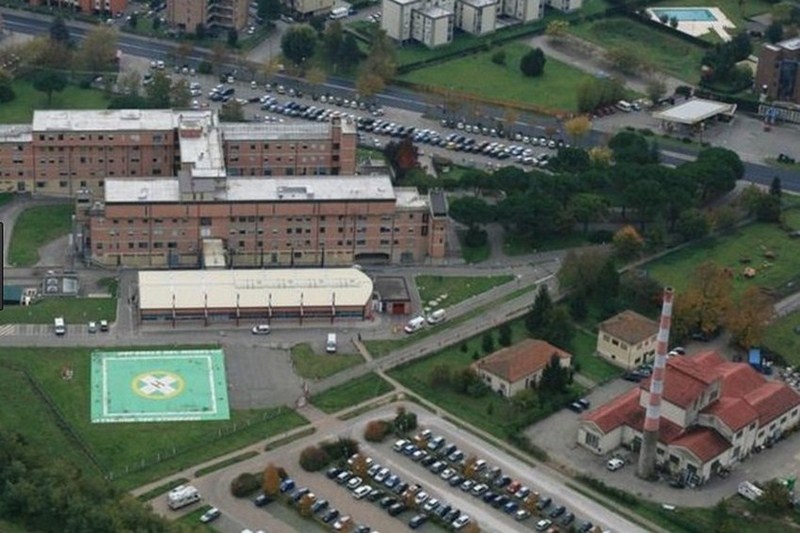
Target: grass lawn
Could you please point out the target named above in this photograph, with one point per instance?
(490, 412)
(748, 243)
(592, 366)
(35, 227)
(192, 520)
(314, 366)
(124, 445)
(6, 197)
(515, 244)
(665, 52)
(20, 110)
(352, 393)
(74, 311)
(457, 288)
(555, 89)
(781, 338)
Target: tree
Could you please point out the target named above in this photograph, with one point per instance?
(48, 82)
(200, 31)
(349, 53)
(601, 156)
(656, 89)
(233, 37)
(538, 316)
(59, 31)
(559, 329)
(774, 32)
(231, 111)
(180, 96)
(693, 224)
(271, 480)
(470, 211)
(748, 319)
(304, 506)
(504, 334)
(624, 58)
(332, 40)
(630, 147)
(269, 9)
(376, 430)
(298, 43)
(775, 188)
(469, 470)
(244, 484)
(402, 156)
(314, 458)
(627, 243)
(724, 219)
(487, 342)
(98, 51)
(133, 21)
(577, 127)
(158, 91)
(554, 380)
(571, 160)
(587, 207)
(499, 57)
(440, 376)
(532, 63)
(776, 498)
(7, 93)
(368, 84)
(705, 305)
(316, 76)
(360, 466)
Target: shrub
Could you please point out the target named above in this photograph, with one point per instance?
(376, 430)
(204, 67)
(313, 459)
(499, 57)
(600, 236)
(340, 449)
(404, 422)
(244, 484)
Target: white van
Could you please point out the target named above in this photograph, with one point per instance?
(330, 344)
(60, 326)
(625, 106)
(338, 13)
(181, 496)
(415, 324)
(437, 316)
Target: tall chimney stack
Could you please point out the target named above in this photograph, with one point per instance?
(647, 454)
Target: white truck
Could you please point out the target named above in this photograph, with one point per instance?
(749, 491)
(181, 496)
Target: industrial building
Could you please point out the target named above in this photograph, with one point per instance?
(254, 296)
(92, 7)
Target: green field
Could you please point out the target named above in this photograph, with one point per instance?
(780, 337)
(20, 110)
(74, 311)
(477, 75)
(310, 365)
(35, 227)
(744, 248)
(352, 393)
(664, 52)
(592, 366)
(457, 288)
(500, 419)
(137, 447)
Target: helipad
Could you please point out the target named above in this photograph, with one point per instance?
(158, 386)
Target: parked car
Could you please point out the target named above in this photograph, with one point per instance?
(615, 463)
(261, 500)
(330, 516)
(210, 515)
(558, 511)
(543, 524)
(260, 329)
(417, 520)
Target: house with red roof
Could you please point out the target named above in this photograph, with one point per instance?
(512, 369)
(713, 413)
(627, 339)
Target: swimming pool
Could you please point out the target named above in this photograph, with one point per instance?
(685, 14)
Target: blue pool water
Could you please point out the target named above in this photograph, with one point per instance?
(685, 14)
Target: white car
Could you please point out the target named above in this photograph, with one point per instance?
(260, 329)
(615, 464)
(421, 497)
(354, 482)
(461, 522)
(361, 492)
(210, 515)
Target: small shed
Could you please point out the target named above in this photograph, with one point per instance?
(12, 295)
(392, 296)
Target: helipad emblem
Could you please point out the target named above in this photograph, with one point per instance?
(158, 385)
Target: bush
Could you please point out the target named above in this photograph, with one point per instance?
(376, 430)
(7, 94)
(600, 236)
(404, 422)
(313, 459)
(475, 237)
(499, 57)
(244, 485)
(340, 449)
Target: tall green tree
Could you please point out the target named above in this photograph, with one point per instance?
(158, 91)
(539, 315)
(299, 43)
(59, 32)
(49, 82)
(532, 63)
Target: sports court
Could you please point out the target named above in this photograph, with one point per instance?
(159, 386)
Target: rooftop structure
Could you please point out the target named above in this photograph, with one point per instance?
(695, 111)
(519, 366)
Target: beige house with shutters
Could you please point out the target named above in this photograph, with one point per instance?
(627, 339)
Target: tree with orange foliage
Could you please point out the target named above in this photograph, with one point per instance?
(271, 480)
(748, 319)
(469, 470)
(472, 527)
(304, 505)
(706, 303)
(627, 243)
(360, 466)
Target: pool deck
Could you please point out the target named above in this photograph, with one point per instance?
(698, 28)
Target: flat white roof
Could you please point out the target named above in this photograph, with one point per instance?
(694, 111)
(790, 44)
(280, 288)
(15, 133)
(103, 120)
(275, 132)
(410, 197)
(435, 12)
(203, 151)
(311, 188)
(142, 190)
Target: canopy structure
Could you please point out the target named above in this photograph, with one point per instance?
(695, 111)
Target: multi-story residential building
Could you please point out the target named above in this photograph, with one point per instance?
(186, 15)
(778, 72)
(565, 5)
(321, 221)
(64, 153)
(522, 10)
(396, 18)
(432, 26)
(305, 9)
(714, 414)
(477, 17)
(96, 7)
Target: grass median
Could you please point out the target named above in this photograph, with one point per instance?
(352, 393)
(589, 363)
(311, 365)
(74, 310)
(456, 288)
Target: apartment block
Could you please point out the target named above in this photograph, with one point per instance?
(778, 72)
(265, 222)
(522, 10)
(95, 7)
(432, 26)
(213, 14)
(477, 17)
(305, 9)
(396, 18)
(72, 153)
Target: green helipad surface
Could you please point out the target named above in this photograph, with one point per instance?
(158, 386)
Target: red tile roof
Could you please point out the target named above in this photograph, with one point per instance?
(733, 412)
(771, 400)
(520, 360)
(630, 326)
(705, 443)
(615, 413)
(680, 387)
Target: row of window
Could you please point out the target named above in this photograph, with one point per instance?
(157, 245)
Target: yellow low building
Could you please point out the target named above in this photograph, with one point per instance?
(627, 339)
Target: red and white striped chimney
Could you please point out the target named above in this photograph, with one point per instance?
(647, 453)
